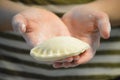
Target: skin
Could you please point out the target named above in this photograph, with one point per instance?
(87, 22)
(97, 25)
(36, 29)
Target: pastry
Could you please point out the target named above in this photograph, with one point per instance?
(58, 48)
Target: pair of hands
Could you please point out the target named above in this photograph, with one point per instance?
(37, 25)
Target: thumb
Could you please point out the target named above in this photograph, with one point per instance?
(19, 24)
(104, 26)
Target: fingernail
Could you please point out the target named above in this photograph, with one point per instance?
(22, 28)
(109, 27)
(68, 60)
(55, 66)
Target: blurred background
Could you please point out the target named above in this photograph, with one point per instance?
(17, 64)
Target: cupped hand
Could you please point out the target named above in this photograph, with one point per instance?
(88, 25)
(37, 25)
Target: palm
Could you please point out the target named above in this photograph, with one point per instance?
(87, 25)
(84, 28)
(39, 25)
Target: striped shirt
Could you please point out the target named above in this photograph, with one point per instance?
(17, 64)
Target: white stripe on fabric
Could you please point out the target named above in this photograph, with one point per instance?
(58, 8)
(106, 59)
(14, 33)
(67, 72)
(23, 45)
(25, 57)
(115, 32)
(96, 59)
(110, 46)
(9, 77)
(14, 43)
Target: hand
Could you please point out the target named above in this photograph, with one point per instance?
(88, 25)
(37, 25)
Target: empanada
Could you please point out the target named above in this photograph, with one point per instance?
(58, 48)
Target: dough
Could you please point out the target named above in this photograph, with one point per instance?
(58, 48)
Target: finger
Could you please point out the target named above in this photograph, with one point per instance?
(18, 24)
(72, 63)
(104, 26)
(69, 59)
(63, 63)
(75, 58)
(57, 64)
(67, 64)
(84, 57)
